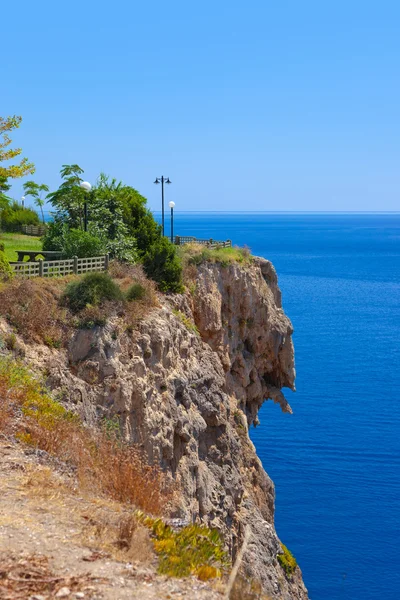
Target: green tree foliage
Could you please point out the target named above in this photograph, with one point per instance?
(36, 191)
(4, 185)
(91, 289)
(107, 222)
(119, 217)
(69, 200)
(75, 242)
(20, 169)
(139, 219)
(14, 216)
(162, 264)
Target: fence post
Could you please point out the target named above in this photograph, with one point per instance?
(75, 267)
(40, 267)
(106, 262)
(229, 242)
(177, 240)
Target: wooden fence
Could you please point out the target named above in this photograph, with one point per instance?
(38, 230)
(59, 268)
(180, 240)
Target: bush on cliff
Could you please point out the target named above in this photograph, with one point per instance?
(162, 264)
(287, 561)
(91, 289)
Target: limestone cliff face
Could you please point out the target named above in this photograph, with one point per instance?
(188, 399)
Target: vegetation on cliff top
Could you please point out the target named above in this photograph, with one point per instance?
(48, 310)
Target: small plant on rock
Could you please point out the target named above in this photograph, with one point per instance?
(93, 289)
(136, 292)
(287, 561)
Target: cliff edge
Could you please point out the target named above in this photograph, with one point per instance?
(186, 385)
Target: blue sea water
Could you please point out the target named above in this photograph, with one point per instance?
(335, 461)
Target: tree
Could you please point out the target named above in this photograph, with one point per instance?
(106, 219)
(69, 199)
(35, 190)
(23, 167)
(4, 185)
(139, 219)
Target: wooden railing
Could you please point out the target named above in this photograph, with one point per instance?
(180, 240)
(59, 268)
(38, 230)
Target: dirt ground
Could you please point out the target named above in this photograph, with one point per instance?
(56, 543)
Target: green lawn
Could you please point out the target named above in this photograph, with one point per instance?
(19, 241)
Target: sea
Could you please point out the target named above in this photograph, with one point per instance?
(335, 461)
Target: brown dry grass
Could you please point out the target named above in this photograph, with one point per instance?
(120, 536)
(22, 577)
(32, 307)
(126, 275)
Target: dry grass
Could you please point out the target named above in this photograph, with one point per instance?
(120, 536)
(23, 577)
(32, 307)
(102, 462)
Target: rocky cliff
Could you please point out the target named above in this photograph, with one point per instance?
(186, 386)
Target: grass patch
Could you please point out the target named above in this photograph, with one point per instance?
(287, 561)
(32, 307)
(102, 462)
(197, 254)
(18, 241)
(188, 323)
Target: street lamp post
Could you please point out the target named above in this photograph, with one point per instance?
(162, 180)
(86, 186)
(172, 206)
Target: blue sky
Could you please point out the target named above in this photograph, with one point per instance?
(257, 105)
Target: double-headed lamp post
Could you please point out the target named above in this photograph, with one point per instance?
(86, 186)
(172, 206)
(162, 180)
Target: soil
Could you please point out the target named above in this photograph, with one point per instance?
(48, 543)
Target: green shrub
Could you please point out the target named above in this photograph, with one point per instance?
(5, 269)
(76, 242)
(93, 289)
(53, 238)
(194, 550)
(287, 561)
(162, 264)
(14, 216)
(136, 292)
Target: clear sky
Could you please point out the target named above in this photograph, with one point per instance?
(250, 105)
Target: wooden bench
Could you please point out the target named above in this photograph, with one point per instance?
(32, 254)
